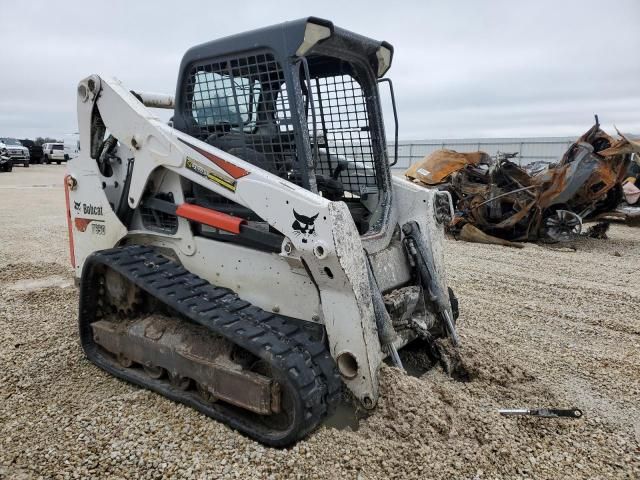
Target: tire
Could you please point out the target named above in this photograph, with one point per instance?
(46, 160)
(58, 162)
(9, 168)
(26, 164)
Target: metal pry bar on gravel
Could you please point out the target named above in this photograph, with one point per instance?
(542, 412)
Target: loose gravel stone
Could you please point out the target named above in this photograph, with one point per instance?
(541, 326)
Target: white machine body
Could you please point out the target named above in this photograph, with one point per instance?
(318, 275)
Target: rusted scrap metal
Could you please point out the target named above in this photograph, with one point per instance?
(628, 210)
(164, 344)
(630, 214)
(442, 163)
(503, 200)
(469, 233)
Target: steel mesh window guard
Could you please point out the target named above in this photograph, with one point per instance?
(344, 133)
(240, 106)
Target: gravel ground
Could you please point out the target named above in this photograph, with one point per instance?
(541, 326)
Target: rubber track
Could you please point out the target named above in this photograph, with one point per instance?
(290, 350)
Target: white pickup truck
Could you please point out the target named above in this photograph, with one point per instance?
(13, 149)
(54, 152)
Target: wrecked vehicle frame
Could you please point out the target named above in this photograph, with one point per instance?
(502, 199)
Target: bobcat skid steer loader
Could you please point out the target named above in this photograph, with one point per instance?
(254, 256)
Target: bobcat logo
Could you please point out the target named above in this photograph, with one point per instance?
(304, 226)
(77, 206)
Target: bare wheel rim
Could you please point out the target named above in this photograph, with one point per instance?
(563, 225)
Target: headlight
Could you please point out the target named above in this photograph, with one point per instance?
(384, 56)
(27, 154)
(313, 33)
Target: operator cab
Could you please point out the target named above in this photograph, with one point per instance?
(299, 100)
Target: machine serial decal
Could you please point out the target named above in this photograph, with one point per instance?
(98, 227)
(304, 226)
(222, 180)
(87, 208)
(233, 170)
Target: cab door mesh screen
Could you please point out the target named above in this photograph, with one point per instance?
(343, 131)
(236, 105)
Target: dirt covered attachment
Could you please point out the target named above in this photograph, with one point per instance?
(454, 427)
(505, 201)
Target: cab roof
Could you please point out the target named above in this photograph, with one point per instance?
(285, 39)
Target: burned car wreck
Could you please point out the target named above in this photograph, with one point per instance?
(495, 197)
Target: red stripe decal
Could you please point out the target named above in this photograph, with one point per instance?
(230, 168)
(82, 223)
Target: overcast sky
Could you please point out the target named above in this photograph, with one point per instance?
(461, 68)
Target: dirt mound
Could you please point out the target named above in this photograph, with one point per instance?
(469, 383)
(453, 428)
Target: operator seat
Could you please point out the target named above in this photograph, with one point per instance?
(262, 147)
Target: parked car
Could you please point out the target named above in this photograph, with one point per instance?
(6, 164)
(72, 145)
(15, 150)
(35, 151)
(54, 152)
